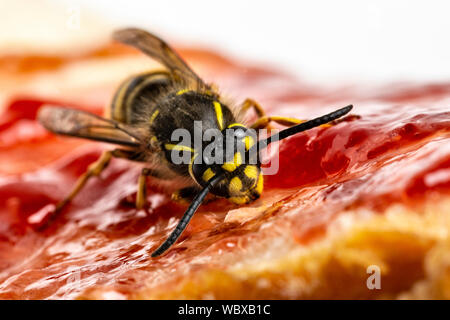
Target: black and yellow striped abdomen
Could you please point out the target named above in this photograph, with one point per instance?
(138, 96)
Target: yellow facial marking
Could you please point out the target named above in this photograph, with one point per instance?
(231, 166)
(154, 115)
(239, 200)
(249, 142)
(237, 159)
(179, 93)
(260, 185)
(208, 174)
(235, 186)
(178, 147)
(219, 115)
(251, 172)
(235, 125)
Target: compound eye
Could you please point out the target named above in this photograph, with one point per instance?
(239, 133)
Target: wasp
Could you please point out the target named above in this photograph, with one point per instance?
(149, 107)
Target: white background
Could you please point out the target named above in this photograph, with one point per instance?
(319, 41)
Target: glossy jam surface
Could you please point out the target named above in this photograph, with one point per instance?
(397, 149)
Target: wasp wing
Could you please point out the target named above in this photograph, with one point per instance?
(82, 124)
(160, 51)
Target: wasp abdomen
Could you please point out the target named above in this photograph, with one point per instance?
(138, 96)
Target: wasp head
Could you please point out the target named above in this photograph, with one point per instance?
(231, 155)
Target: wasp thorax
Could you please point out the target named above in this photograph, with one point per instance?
(229, 155)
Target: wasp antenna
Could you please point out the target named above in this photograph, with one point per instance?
(304, 126)
(176, 233)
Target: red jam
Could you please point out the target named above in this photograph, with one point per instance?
(396, 150)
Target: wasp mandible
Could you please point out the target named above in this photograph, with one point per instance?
(147, 108)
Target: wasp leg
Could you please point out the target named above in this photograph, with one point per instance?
(94, 169)
(186, 195)
(250, 103)
(263, 122)
(141, 195)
